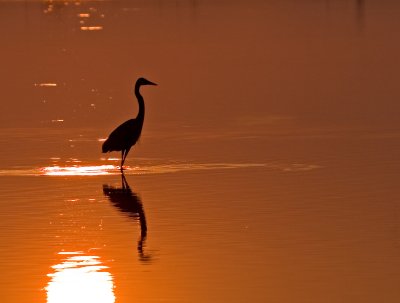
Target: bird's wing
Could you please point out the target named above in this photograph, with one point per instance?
(120, 138)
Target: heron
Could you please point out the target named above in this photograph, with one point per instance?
(128, 133)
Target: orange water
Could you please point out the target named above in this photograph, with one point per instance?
(268, 165)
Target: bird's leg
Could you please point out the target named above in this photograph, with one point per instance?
(122, 158)
(124, 154)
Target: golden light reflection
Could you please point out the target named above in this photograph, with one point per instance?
(80, 278)
(46, 84)
(109, 169)
(91, 28)
(77, 170)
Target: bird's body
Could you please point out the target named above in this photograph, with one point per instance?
(128, 133)
(124, 136)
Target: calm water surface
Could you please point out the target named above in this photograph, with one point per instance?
(267, 169)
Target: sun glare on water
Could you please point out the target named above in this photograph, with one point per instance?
(80, 278)
(77, 170)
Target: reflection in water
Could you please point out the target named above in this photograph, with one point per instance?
(77, 170)
(167, 168)
(80, 278)
(109, 169)
(91, 28)
(129, 202)
(46, 84)
(87, 21)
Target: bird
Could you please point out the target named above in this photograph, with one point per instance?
(128, 133)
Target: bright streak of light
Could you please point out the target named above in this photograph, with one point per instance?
(46, 84)
(80, 278)
(91, 28)
(78, 170)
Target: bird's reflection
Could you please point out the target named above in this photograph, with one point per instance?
(130, 203)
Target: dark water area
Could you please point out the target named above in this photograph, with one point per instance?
(267, 170)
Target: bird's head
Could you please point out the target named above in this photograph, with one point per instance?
(143, 81)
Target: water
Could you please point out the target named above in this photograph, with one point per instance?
(267, 168)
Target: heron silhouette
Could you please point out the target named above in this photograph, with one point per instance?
(128, 133)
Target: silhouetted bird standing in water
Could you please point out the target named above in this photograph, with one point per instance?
(128, 133)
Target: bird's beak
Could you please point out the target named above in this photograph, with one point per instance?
(151, 83)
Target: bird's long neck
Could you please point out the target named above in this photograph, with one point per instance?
(139, 97)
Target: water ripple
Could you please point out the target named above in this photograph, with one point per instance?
(108, 169)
